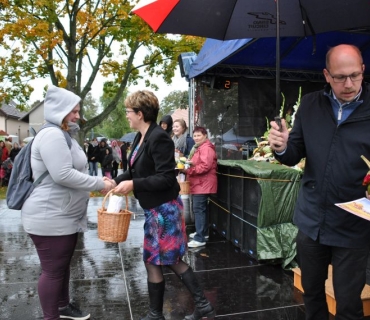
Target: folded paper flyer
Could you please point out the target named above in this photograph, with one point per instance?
(359, 207)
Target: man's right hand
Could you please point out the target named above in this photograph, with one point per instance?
(278, 139)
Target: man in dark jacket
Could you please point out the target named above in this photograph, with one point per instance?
(103, 145)
(93, 157)
(331, 131)
(124, 156)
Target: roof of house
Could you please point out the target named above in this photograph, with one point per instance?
(25, 117)
(10, 110)
(181, 114)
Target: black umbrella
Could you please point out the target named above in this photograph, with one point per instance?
(239, 19)
(128, 137)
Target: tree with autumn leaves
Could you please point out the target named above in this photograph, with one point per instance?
(71, 42)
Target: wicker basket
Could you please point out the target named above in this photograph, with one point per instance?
(113, 227)
(184, 187)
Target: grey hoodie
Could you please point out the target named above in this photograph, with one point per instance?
(58, 205)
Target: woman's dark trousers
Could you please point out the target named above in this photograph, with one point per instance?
(55, 253)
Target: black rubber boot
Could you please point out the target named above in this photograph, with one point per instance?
(202, 306)
(156, 292)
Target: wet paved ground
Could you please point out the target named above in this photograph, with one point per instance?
(109, 280)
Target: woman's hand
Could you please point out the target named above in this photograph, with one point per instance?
(108, 185)
(180, 154)
(124, 187)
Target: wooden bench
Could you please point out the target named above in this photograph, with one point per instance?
(330, 299)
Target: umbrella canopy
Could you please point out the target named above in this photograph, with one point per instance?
(239, 19)
(128, 137)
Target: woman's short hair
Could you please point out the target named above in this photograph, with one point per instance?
(182, 124)
(202, 130)
(146, 102)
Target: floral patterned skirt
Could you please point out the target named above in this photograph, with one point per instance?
(165, 240)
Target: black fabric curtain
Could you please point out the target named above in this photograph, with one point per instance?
(257, 102)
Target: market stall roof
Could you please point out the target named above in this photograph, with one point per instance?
(301, 57)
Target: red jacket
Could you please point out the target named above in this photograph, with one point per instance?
(202, 173)
(5, 154)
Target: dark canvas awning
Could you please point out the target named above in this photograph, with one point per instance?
(301, 57)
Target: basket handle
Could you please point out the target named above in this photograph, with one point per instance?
(109, 193)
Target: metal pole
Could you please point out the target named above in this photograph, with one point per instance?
(278, 95)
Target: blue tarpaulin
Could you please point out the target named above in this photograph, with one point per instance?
(297, 53)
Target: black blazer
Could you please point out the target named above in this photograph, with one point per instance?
(153, 170)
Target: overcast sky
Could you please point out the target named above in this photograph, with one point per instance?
(178, 83)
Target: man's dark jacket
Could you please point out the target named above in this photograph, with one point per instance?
(153, 169)
(334, 170)
(92, 153)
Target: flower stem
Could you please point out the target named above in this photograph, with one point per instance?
(366, 161)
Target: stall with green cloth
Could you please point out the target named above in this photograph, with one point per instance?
(254, 208)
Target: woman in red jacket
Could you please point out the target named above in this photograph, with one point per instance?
(4, 151)
(202, 176)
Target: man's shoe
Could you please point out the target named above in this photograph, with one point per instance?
(72, 312)
(192, 235)
(195, 244)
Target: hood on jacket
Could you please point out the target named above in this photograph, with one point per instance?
(167, 119)
(58, 104)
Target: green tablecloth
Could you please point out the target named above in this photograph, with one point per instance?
(279, 188)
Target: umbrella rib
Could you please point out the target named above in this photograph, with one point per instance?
(232, 12)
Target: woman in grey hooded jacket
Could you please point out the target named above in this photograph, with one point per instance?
(57, 208)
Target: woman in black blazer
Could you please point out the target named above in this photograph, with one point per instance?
(151, 176)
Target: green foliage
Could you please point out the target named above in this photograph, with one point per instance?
(91, 106)
(72, 42)
(116, 124)
(174, 100)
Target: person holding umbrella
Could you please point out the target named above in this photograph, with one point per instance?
(151, 176)
(337, 117)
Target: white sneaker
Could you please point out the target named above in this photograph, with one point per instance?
(195, 244)
(192, 235)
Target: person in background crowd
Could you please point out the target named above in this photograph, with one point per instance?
(181, 138)
(337, 117)
(86, 146)
(151, 176)
(8, 143)
(202, 176)
(124, 156)
(3, 157)
(107, 163)
(4, 151)
(102, 152)
(166, 124)
(93, 156)
(56, 210)
(116, 153)
(15, 150)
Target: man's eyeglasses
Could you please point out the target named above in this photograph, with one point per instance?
(128, 111)
(341, 78)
